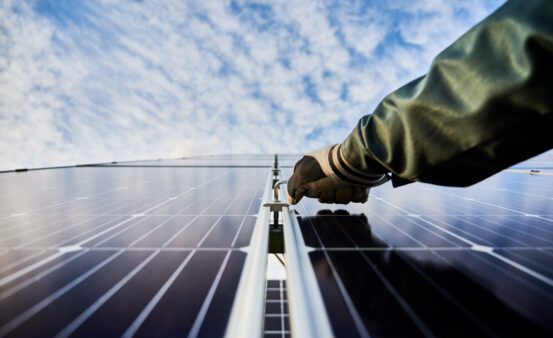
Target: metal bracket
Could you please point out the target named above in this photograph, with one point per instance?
(276, 205)
(276, 171)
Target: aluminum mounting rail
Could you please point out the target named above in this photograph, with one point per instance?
(308, 317)
(246, 318)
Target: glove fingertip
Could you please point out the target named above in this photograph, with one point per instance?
(291, 200)
(300, 192)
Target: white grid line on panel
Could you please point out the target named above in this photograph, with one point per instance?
(71, 327)
(17, 321)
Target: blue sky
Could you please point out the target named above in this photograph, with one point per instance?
(102, 80)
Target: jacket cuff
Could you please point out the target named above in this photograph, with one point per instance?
(355, 153)
(348, 173)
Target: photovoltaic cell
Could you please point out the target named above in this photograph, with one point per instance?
(135, 251)
(424, 260)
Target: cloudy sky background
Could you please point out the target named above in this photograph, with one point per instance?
(95, 81)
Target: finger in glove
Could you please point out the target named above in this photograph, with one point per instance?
(360, 195)
(344, 195)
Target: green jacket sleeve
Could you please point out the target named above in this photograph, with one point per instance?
(485, 104)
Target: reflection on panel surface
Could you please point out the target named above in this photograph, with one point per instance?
(424, 260)
(108, 251)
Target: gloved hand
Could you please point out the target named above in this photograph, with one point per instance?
(322, 175)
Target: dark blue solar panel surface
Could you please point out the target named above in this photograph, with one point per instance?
(112, 250)
(102, 251)
(424, 260)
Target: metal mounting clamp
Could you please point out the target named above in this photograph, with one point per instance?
(276, 205)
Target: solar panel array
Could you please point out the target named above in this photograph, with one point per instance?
(104, 251)
(157, 248)
(423, 260)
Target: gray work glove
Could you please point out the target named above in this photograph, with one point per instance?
(321, 175)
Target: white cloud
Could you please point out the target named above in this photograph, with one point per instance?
(108, 80)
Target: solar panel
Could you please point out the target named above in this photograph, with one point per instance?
(103, 251)
(179, 247)
(423, 260)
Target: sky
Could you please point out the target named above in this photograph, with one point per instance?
(102, 80)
